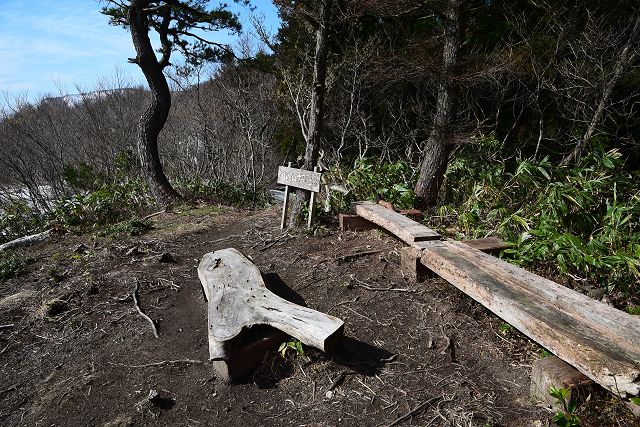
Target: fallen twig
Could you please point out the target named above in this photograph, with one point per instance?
(27, 240)
(361, 284)
(389, 359)
(450, 346)
(10, 325)
(279, 239)
(341, 376)
(147, 318)
(7, 390)
(161, 363)
(415, 410)
(154, 214)
(447, 339)
(354, 255)
(348, 301)
(387, 289)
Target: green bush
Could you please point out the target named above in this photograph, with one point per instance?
(241, 195)
(132, 227)
(581, 221)
(109, 204)
(12, 264)
(18, 220)
(82, 176)
(369, 180)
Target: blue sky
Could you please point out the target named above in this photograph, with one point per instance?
(53, 46)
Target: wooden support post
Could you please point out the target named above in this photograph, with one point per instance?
(312, 204)
(285, 204)
(352, 222)
(412, 267)
(553, 372)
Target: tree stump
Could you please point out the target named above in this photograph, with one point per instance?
(239, 300)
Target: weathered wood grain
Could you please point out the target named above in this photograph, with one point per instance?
(600, 341)
(404, 228)
(238, 298)
(487, 244)
(299, 178)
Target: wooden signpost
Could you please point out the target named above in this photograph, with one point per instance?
(299, 178)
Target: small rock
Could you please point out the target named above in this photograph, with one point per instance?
(329, 394)
(166, 258)
(160, 402)
(81, 249)
(55, 307)
(607, 300)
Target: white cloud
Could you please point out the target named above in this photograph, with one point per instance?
(43, 42)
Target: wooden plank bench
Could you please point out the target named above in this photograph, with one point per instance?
(406, 229)
(600, 341)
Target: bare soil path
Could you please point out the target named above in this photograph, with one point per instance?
(78, 353)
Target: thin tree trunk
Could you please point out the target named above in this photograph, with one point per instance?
(437, 149)
(626, 57)
(155, 116)
(316, 116)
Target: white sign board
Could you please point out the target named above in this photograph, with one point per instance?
(299, 178)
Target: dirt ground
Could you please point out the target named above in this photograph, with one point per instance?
(74, 350)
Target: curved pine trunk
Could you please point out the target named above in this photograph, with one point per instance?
(155, 116)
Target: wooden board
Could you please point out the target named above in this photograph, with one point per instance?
(354, 223)
(404, 228)
(487, 244)
(299, 178)
(238, 299)
(601, 342)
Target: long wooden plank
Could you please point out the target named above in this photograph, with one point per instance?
(600, 341)
(487, 244)
(404, 228)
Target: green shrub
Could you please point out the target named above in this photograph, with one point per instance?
(111, 203)
(581, 221)
(369, 180)
(241, 195)
(82, 176)
(12, 264)
(18, 220)
(132, 227)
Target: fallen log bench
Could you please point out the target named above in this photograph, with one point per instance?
(598, 340)
(239, 303)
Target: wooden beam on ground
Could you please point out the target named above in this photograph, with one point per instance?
(553, 372)
(600, 341)
(404, 228)
(413, 269)
(349, 222)
(488, 244)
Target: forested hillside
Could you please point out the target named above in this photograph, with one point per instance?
(509, 118)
